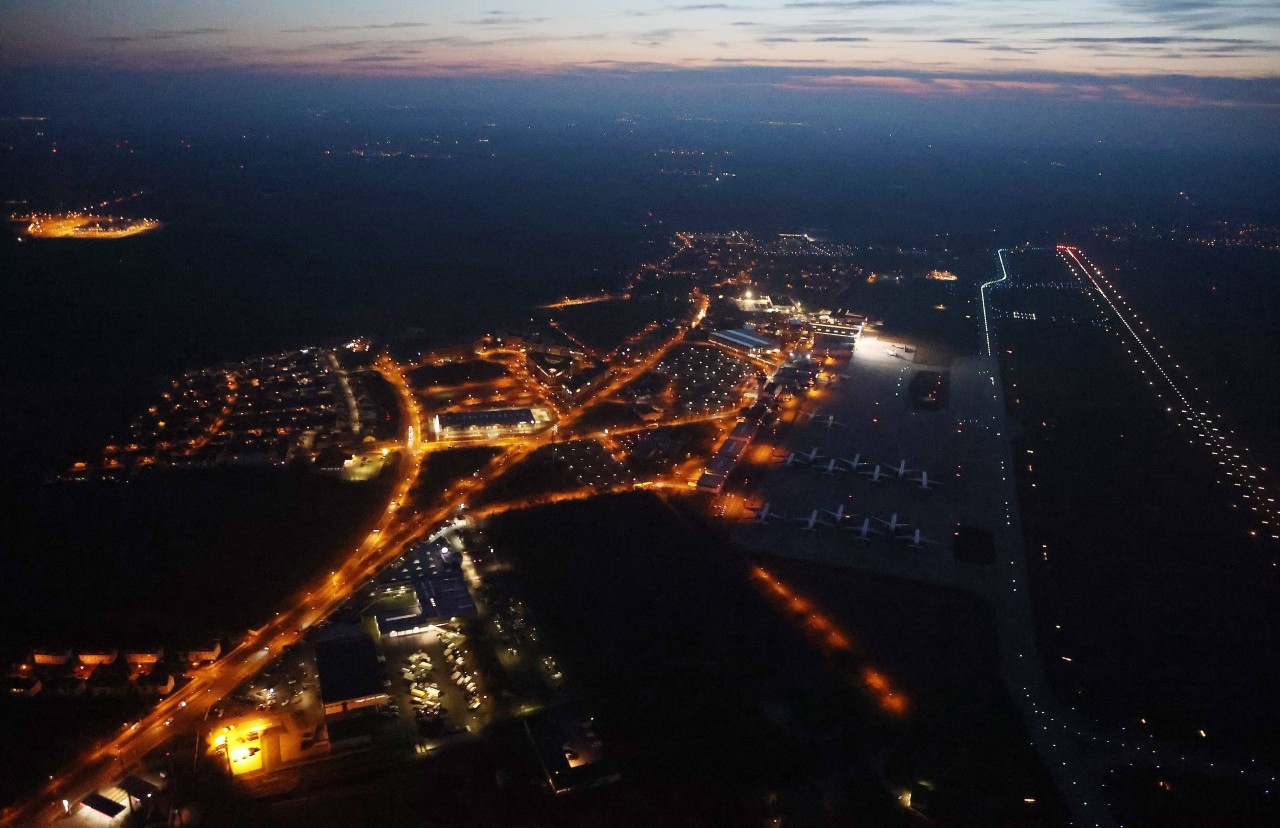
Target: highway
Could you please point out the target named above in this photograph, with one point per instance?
(185, 709)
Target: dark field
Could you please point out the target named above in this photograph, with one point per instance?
(1169, 799)
(537, 475)
(1218, 313)
(604, 326)
(456, 373)
(169, 560)
(173, 556)
(440, 469)
(62, 728)
(1137, 554)
(711, 700)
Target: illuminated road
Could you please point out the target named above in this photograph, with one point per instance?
(184, 710)
(1195, 417)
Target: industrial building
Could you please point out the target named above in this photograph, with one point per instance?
(745, 341)
(838, 329)
(726, 457)
(351, 676)
(432, 575)
(571, 753)
(488, 422)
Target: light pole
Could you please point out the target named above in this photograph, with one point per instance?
(128, 796)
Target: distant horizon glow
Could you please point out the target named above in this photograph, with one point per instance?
(991, 48)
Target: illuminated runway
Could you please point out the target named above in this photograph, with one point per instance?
(1194, 414)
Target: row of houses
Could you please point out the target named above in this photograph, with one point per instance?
(62, 671)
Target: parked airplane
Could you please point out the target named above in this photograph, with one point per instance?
(833, 466)
(765, 514)
(925, 482)
(901, 469)
(838, 516)
(876, 475)
(796, 458)
(893, 524)
(811, 523)
(864, 530)
(915, 539)
(855, 463)
(828, 420)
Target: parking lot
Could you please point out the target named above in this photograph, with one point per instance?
(704, 379)
(274, 719)
(869, 417)
(436, 689)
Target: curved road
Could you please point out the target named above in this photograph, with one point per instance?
(184, 710)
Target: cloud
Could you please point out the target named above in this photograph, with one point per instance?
(144, 37)
(1169, 91)
(1204, 15)
(376, 59)
(1170, 6)
(829, 39)
(354, 28)
(506, 20)
(1176, 40)
(746, 62)
(655, 37)
(850, 5)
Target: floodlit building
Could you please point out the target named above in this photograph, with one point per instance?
(711, 483)
(141, 657)
(755, 304)
(489, 422)
(99, 657)
(838, 329)
(726, 457)
(52, 656)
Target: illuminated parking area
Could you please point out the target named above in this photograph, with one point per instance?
(240, 743)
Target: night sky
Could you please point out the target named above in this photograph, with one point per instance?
(1164, 52)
